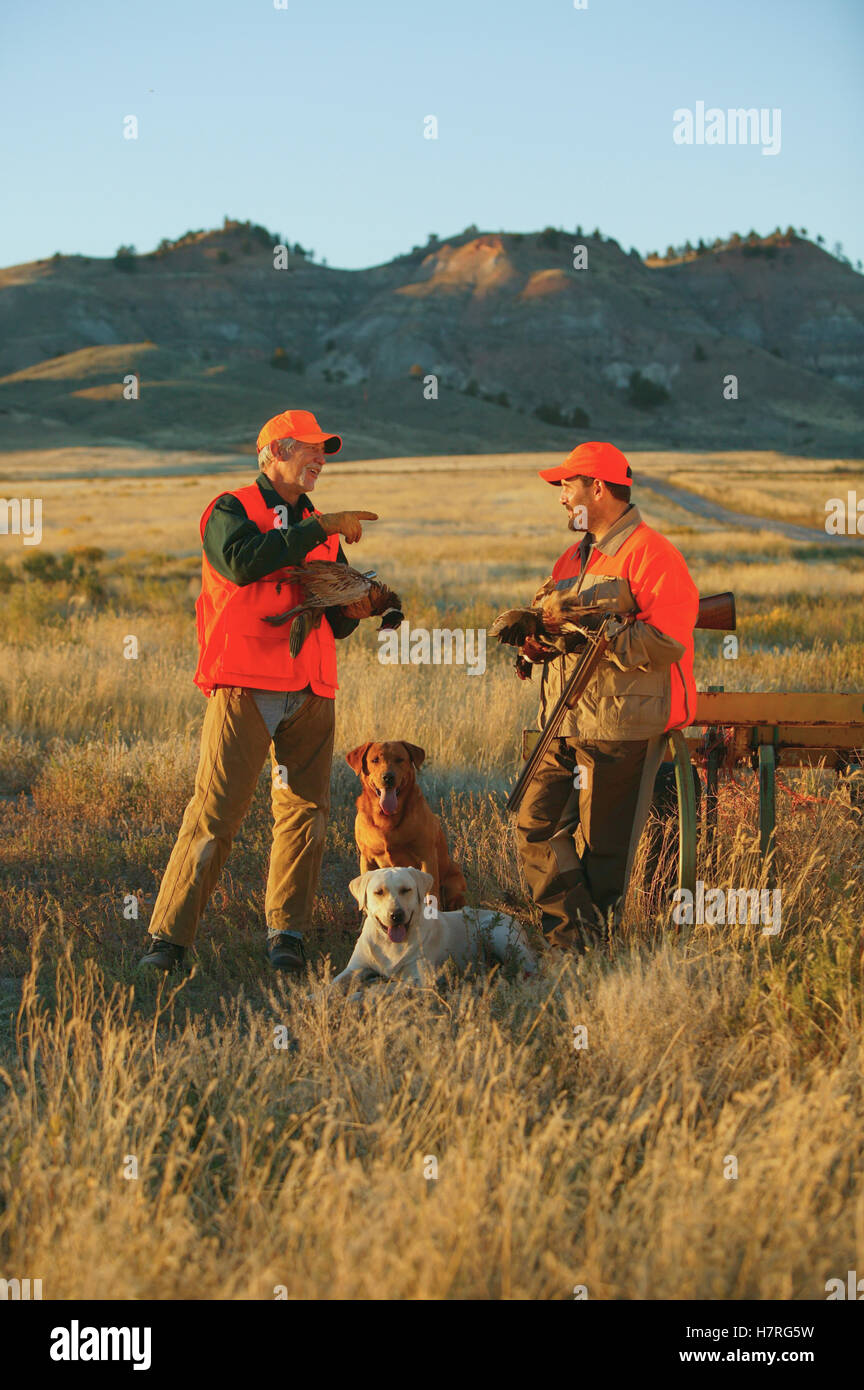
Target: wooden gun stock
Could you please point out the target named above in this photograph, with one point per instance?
(717, 611)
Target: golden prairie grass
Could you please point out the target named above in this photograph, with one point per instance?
(796, 490)
(309, 1166)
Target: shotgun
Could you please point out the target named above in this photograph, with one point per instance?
(716, 612)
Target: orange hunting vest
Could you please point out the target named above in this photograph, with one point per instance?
(236, 647)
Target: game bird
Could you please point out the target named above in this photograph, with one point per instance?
(327, 584)
(554, 622)
(551, 616)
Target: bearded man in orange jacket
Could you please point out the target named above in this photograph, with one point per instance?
(260, 698)
(576, 820)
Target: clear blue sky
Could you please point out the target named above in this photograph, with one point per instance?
(310, 120)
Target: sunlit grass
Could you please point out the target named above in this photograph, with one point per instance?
(303, 1168)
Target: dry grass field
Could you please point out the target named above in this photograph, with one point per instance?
(308, 1167)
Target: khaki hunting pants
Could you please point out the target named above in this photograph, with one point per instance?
(574, 840)
(234, 745)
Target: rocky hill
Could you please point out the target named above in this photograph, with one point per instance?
(506, 324)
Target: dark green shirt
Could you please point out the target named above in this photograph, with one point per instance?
(240, 552)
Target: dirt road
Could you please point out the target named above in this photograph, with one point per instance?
(712, 511)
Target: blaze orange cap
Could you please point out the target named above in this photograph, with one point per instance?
(592, 460)
(300, 425)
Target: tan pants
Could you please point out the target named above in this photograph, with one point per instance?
(234, 744)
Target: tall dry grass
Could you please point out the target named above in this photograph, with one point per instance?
(308, 1167)
(446, 1145)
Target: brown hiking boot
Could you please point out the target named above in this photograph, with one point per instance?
(162, 954)
(285, 949)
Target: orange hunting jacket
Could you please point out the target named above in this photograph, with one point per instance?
(646, 684)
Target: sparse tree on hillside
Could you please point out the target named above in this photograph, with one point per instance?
(125, 258)
(644, 393)
(287, 361)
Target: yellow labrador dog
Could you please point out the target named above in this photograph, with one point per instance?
(399, 941)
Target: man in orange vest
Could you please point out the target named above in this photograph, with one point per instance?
(259, 696)
(575, 822)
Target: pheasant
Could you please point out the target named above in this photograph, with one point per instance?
(327, 584)
(553, 624)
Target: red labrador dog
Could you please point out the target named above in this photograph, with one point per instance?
(395, 828)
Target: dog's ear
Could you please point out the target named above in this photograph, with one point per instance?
(356, 759)
(417, 755)
(424, 883)
(357, 888)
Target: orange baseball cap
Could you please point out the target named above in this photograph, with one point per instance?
(592, 460)
(300, 425)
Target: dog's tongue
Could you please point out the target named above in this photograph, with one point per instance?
(397, 933)
(389, 802)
